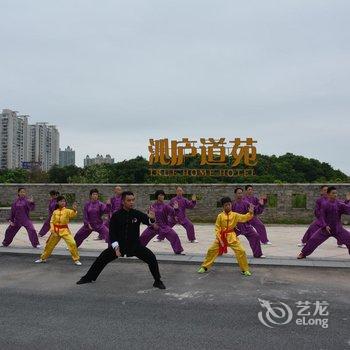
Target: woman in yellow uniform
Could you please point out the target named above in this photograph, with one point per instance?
(226, 237)
(59, 229)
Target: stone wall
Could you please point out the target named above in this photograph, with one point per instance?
(206, 210)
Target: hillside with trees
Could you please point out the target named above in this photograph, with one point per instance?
(288, 168)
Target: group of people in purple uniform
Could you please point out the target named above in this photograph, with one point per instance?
(93, 214)
(19, 217)
(167, 215)
(175, 213)
(96, 215)
(328, 213)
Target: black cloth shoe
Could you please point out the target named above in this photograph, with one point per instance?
(158, 284)
(84, 280)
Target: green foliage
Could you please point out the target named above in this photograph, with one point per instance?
(299, 201)
(38, 176)
(97, 173)
(65, 174)
(14, 176)
(288, 168)
(272, 200)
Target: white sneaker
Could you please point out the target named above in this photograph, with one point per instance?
(39, 246)
(157, 240)
(78, 263)
(193, 241)
(267, 243)
(341, 246)
(39, 261)
(262, 256)
(301, 244)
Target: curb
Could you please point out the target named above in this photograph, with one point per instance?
(196, 259)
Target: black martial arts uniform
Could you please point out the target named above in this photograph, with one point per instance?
(124, 230)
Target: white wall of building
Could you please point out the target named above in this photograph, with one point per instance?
(20, 142)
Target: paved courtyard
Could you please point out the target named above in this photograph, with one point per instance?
(284, 241)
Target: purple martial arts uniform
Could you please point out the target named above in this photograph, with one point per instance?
(316, 224)
(162, 227)
(256, 222)
(331, 212)
(116, 204)
(181, 217)
(241, 206)
(20, 217)
(46, 227)
(93, 212)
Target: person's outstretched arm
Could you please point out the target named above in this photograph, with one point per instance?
(246, 217)
(146, 219)
(344, 207)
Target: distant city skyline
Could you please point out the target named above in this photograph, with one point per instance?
(24, 145)
(112, 75)
(99, 159)
(67, 157)
(36, 150)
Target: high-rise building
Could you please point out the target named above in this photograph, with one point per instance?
(99, 159)
(44, 142)
(26, 146)
(67, 157)
(14, 139)
(53, 146)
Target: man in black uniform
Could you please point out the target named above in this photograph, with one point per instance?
(124, 231)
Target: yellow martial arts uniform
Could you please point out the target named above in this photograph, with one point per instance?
(228, 222)
(59, 229)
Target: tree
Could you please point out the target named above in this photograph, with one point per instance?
(288, 168)
(14, 176)
(63, 174)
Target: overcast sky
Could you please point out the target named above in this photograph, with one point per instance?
(112, 74)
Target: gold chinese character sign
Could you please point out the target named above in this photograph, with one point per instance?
(212, 151)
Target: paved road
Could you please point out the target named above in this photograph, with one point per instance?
(41, 307)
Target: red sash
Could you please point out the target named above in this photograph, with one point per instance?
(56, 228)
(223, 236)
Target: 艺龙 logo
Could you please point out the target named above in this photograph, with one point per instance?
(274, 314)
(308, 313)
